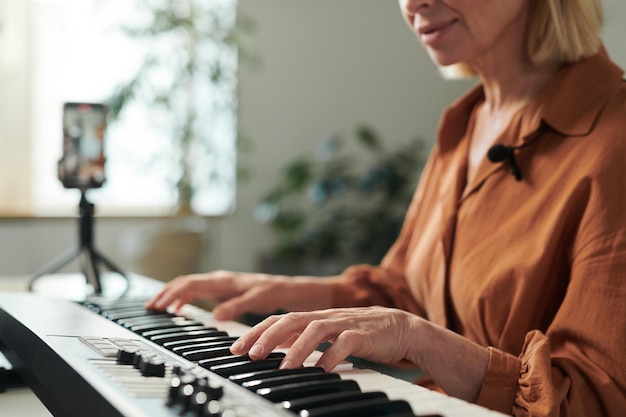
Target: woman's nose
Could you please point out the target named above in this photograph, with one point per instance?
(413, 6)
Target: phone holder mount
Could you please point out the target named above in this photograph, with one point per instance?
(89, 257)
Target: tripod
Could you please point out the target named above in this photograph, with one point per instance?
(88, 255)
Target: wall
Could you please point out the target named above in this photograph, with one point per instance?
(613, 33)
(327, 66)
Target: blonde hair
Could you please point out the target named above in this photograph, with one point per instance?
(558, 31)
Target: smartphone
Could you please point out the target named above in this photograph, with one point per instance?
(84, 128)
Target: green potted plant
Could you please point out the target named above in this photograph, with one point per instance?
(329, 211)
(188, 82)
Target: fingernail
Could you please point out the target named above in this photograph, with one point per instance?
(286, 365)
(257, 350)
(236, 346)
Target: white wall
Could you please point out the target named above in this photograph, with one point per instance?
(327, 66)
(613, 34)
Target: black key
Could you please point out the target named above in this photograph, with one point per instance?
(121, 303)
(172, 337)
(249, 376)
(128, 313)
(288, 379)
(147, 315)
(229, 369)
(134, 321)
(369, 408)
(161, 324)
(222, 360)
(306, 389)
(207, 353)
(200, 339)
(329, 399)
(180, 350)
(148, 334)
(411, 415)
(117, 304)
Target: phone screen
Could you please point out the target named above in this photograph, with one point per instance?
(84, 128)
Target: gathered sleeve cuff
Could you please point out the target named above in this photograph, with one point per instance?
(523, 386)
(500, 384)
(540, 384)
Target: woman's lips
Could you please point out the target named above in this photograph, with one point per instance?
(432, 33)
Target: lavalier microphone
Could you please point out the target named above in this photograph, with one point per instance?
(498, 153)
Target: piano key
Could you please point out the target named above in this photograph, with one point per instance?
(423, 415)
(329, 399)
(229, 369)
(132, 321)
(306, 389)
(195, 340)
(122, 309)
(207, 353)
(391, 385)
(377, 407)
(148, 334)
(172, 337)
(423, 401)
(109, 304)
(222, 360)
(227, 342)
(249, 376)
(136, 321)
(288, 379)
(161, 324)
(410, 415)
(129, 313)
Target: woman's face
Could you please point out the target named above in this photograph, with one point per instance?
(467, 31)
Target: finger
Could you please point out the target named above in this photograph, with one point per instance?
(155, 300)
(345, 345)
(178, 292)
(289, 342)
(316, 332)
(256, 300)
(187, 288)
(248, 339)
(158, 301)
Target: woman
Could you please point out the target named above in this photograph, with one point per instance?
(507, 290)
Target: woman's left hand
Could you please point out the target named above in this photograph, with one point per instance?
(374, 333)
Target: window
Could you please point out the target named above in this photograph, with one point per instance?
(56, 51)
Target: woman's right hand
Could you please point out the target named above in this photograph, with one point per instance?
(238, 293)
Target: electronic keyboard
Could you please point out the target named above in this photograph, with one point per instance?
(111, 357)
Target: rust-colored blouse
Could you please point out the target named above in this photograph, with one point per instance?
(534, 269)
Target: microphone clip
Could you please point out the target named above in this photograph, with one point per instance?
(498, 153)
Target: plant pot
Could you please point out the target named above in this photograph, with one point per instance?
(175, 246)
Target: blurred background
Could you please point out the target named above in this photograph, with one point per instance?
(245, 135)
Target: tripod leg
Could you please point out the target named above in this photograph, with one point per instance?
(56, 264)
(90, 269)
(110, 265)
